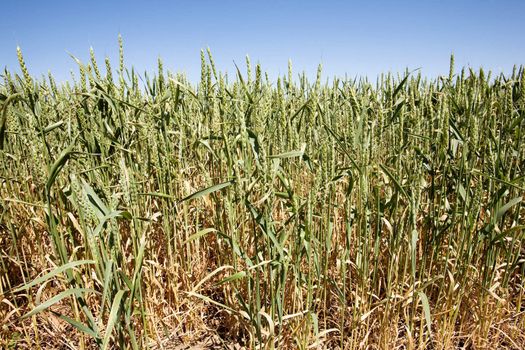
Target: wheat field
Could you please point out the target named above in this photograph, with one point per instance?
(243, 211)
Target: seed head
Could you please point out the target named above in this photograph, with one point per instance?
(23, 67)
(94, 63)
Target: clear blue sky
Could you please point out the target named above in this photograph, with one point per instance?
(347, 37)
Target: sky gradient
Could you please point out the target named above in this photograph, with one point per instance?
(355, 38)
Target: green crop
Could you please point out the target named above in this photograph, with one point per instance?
(267, 214)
